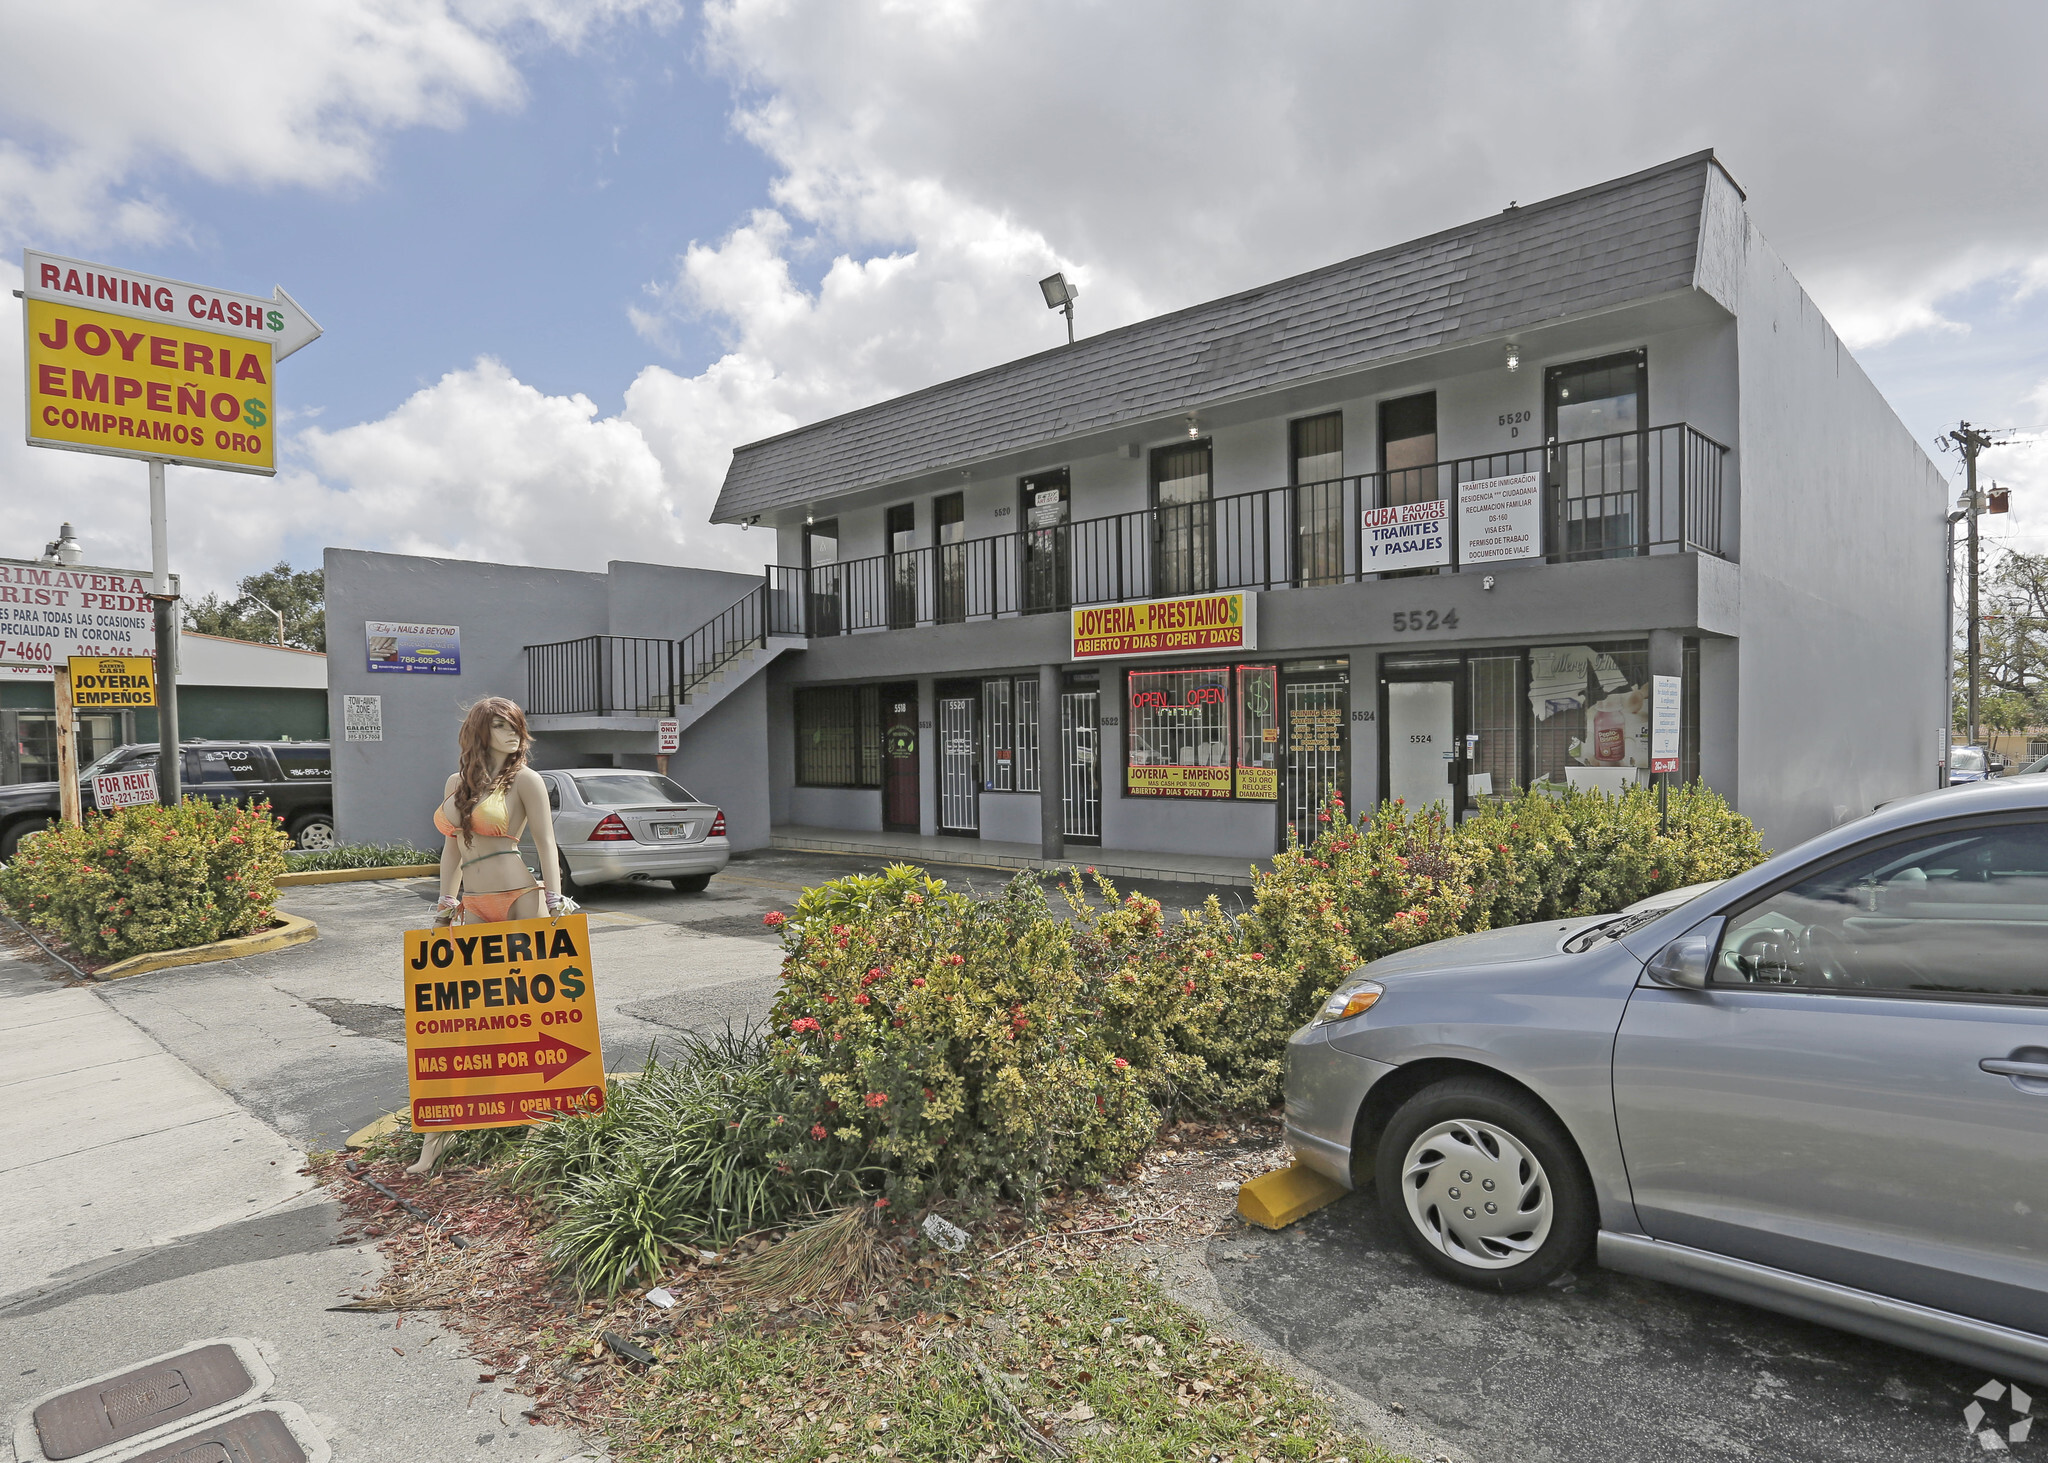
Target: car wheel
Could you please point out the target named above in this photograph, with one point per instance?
(16, 834)
(1484, 1185)
(691, 883)
(569, 884)
(314, 831)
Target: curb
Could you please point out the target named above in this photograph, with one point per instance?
(290, 930)
(349, 876)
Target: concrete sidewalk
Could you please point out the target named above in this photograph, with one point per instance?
(147, 1210)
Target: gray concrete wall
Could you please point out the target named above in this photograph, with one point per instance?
(723, 759)
(1841, 669)
(665, 602)
(388, 790)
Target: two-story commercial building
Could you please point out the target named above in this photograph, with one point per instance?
(1422, 524)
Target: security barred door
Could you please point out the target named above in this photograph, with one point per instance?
(959, 787)
(1316, 713)
(1081, 764)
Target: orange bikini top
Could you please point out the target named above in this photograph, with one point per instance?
(490, 817)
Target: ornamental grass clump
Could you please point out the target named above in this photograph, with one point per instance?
(950, 1043)
(150, 878)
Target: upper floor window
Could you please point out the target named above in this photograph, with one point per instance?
(1317, 448)
(1597, 398)
(821, 543)
(1407, 445)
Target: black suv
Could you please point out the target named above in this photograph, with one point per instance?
(296, 776)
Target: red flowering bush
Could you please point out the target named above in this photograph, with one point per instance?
(150, 878)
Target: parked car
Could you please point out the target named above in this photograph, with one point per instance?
(1820, 1087)
(614, 823)
(1967, 764)
(297, 778)
(2039, 764)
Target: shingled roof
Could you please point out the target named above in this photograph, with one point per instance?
(1629, 239)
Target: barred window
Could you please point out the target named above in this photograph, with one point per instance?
(1027, 734)
(838, 737)
(998, 759)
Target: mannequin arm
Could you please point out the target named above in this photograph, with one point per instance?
(451, 874)
(540, 819)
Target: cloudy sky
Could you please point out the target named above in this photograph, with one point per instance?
(568, 253)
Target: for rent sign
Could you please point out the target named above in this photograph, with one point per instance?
(1209, 622)
(501, 1023)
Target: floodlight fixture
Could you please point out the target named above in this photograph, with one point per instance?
(1059, 295)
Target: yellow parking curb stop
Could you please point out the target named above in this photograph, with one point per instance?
(1275, 1200)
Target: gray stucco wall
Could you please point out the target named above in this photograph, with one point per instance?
(723, 759)
(1841, 667)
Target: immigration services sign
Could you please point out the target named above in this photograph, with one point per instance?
(1199, 622)
(1500, 518)
(131, 365)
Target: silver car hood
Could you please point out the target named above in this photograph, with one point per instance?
(1488, 947)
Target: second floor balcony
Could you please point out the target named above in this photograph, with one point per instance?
(1655, 491)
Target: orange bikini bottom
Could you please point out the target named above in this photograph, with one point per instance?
(494, 907)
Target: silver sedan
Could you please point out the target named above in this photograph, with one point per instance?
(1820, 1087)
(614, 823)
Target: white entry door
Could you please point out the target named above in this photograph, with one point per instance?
(1421, 739)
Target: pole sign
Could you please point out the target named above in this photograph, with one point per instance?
(1664, 703)
(500, 1024)
(132, 365)
(50, 613)
(131, 789)
(112, 682)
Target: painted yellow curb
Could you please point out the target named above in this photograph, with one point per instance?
(391, 1122)
(349, 876)
(1275, 1200)
(289, 930)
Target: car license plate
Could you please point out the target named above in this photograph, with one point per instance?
(671, 830)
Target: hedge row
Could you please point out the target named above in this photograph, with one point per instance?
(150, 878)
(975, 1047)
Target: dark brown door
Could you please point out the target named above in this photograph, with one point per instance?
(899, 757)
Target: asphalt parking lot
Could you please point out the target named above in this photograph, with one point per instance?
(1599, 1366)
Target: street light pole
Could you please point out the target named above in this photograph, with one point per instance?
(1948, 643)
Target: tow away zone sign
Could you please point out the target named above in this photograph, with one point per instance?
(501, 1024)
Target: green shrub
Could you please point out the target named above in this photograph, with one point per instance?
(356, 856)
(950, 1042)
(686, 1153)
(150, 878)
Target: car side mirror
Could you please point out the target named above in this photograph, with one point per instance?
(1685, 961)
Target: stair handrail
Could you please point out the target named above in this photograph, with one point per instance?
(741, 626)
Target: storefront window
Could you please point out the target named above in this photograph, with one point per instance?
(1026, 703)
(838, 737)
(1591, 704)
(1258, 732)
(998, 756)
(1179, 730)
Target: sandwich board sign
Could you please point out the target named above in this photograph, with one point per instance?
(500, 1024)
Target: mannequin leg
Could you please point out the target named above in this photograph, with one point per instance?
(436, 1144)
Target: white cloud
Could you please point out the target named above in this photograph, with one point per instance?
(108, 100)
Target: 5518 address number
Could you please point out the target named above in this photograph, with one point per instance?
(1408, 621)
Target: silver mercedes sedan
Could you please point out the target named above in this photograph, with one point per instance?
(1820, 1087)
(614, 823)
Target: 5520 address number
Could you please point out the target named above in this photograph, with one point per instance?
(1409, 621)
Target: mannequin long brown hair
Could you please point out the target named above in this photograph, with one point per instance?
(474, 782)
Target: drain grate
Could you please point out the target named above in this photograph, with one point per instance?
(98, 1414)
(247, 1437)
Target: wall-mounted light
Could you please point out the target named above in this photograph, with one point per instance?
(1514, 354)
(809, 520)
(1194, 425)
(1059, 295)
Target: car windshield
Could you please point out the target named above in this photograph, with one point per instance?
(2039, 764)
(1965, 759)
(108, 759)
(630, 789)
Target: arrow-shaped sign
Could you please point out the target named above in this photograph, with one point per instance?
(549, 1055)
(278, 319)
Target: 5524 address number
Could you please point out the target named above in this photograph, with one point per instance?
(1409, 621)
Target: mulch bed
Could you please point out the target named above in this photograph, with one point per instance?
(531, 1334)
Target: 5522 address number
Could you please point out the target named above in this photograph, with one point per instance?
(1408, 621)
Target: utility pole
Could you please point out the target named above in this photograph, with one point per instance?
(1971, 441)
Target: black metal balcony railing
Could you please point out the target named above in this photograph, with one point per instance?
(623, 675)
(1656, 491)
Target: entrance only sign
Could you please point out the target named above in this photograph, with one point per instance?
(501, 1024)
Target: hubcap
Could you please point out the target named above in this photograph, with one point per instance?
(1477, 1194)
(317, 835)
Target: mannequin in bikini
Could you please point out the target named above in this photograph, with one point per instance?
(491, 799)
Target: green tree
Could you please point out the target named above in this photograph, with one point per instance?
(300, 596)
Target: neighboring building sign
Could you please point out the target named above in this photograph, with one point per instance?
(1664, 702)
(669, 731)
(426, 649)
(50, 613)
(131, 365)
(112, 682)
(1500, 518)
(500, 1023)
(132, 789)
(1198, 622)
(362, 718)
(1408, 536)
